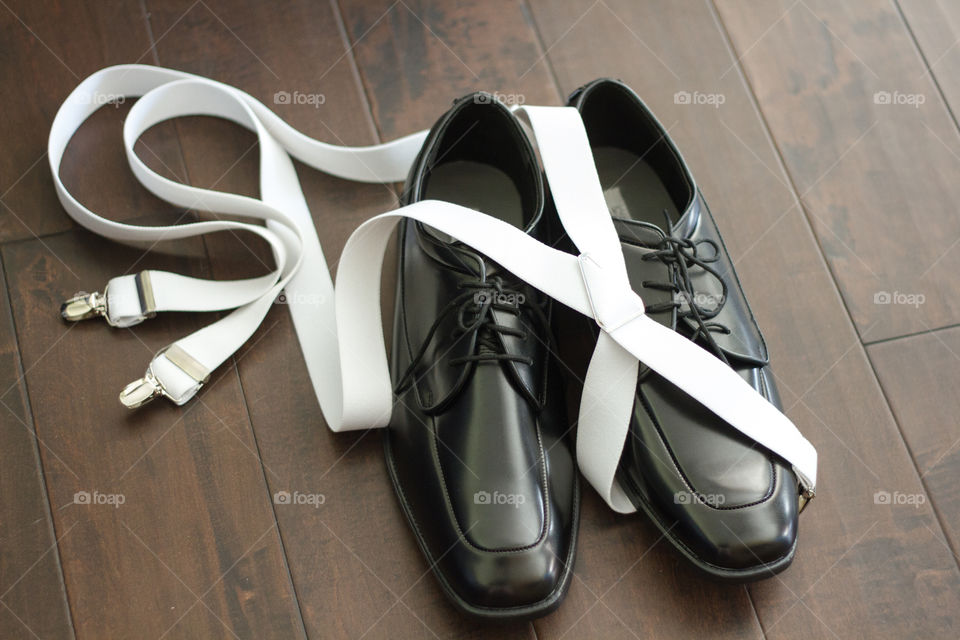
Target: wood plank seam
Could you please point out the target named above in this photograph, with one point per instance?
(544, 53)
(930, 71)
(780, 160)
(938, 514)
(22, 383)
(925, 332)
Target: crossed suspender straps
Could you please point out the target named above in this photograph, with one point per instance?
(339, 327)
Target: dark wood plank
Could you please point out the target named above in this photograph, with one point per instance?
(876, 179)
(193, 550)
(32, 597)
(174, 552)
(935, 25)
(48, 48)
(916, 369)
(355, 566)
(858, 563)
(416, 57)
(196, 524)
(920, 376)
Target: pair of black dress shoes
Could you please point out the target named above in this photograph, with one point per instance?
(479, 448)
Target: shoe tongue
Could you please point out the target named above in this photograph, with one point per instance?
(638, 240)
(636, 232)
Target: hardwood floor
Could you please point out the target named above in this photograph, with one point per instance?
(828, 154)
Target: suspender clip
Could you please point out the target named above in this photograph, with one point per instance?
(84, 305)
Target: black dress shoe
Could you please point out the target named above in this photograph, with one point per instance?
(726, 503)
(476, 447)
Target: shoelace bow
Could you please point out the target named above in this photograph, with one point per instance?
(474, 309)
(681, 254)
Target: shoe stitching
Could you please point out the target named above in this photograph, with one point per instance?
(434, 564)
(654, 514)
(435, 453)
(686, 481)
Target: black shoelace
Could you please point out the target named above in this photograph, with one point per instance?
(474, 309)
(683, 254)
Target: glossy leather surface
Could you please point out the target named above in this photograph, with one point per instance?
(477, 451)
(730, 506)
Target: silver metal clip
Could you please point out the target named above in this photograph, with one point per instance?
(806, 495)
(84, 305)
(140, 392)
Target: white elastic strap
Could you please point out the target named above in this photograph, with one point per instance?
(575, 186)
(340, 329)
(168, 94)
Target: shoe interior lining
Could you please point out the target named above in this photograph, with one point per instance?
(477, 186)
(616, 121)
(482, 162)
(632, 188)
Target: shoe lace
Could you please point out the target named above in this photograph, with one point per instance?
(474, 308)
(683, 254)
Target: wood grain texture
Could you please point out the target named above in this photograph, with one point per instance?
(48, 48)
(919, 377)
(416, 57)
(916, 369)
(857, 561)
(935, 25)
(877, 179)
(32, 596)
(193, 547)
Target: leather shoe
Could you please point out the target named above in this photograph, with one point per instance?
(726, 503)
(477, 448)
